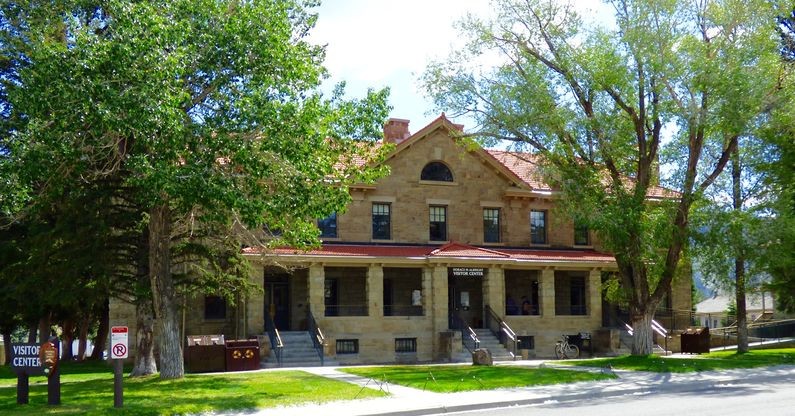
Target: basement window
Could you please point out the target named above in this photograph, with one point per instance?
(347, 346)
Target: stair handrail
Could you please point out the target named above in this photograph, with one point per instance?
(504, 333)
(318, 339)
(276, 339)
(656, 327)
(459, 324)
(659, 329)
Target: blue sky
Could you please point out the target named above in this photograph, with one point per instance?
(380, 43)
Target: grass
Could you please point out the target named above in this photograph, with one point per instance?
(87, 389)
(721, 360)
(448, 379)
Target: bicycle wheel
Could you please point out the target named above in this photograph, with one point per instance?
(559, 352)
(572, 351)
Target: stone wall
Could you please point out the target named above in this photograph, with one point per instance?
(476, 185)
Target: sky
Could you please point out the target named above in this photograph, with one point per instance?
(388, 43)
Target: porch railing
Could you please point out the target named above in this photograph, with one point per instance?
(502, 331)
(468, 336)
(276, 340)
(346, 310)
(403, 310)
(318, 340)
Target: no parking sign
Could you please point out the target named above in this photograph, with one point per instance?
(119, 346)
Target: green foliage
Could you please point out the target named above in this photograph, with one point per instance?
(209, 111)
(675, 83)
(88, 390)
(448, 379)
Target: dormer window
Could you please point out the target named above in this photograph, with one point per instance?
(436, 171)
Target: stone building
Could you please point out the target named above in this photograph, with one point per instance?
(456, 244)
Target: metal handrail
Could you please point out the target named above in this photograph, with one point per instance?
(318, 340)
(458, 323)
(276, 339)
(504, 333)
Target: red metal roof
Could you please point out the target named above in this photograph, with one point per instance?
(450, 250)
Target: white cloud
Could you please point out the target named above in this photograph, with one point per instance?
(379, 43)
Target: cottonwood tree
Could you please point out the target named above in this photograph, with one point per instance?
(208, 111)
(601, 104)
(730, 228)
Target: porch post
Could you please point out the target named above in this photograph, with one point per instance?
(375, 291)
(494, 290)
(316, 286)
(595, 296)
(438, 306)
(548, 292)
(255, 306)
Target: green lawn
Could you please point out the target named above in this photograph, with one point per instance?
(447, 379)
(722, 360)
(87, 389)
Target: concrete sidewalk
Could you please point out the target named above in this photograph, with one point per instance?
(406, 401)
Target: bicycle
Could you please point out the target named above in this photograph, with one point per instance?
(565, 350)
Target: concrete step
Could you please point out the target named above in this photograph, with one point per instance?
(492, 343)
(298, 351)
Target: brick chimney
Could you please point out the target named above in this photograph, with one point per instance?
(396, 130)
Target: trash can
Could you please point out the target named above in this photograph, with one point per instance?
(695, 340)
(205, 354)
(242, 355)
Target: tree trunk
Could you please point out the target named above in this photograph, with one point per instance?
(739, 260)
(163, 292)
(66, 338)
(642, 342)
(7, 347)
(145, 335)
(33, 330)
(44, 327)
(82, 338)
(102, 331)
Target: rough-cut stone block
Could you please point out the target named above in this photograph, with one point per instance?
(482, 356)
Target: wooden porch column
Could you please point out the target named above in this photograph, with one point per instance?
(316, 283)
(375, 291)
(494, 290)
(547, 296)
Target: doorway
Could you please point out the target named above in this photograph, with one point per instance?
(465, 295)
(277, 299)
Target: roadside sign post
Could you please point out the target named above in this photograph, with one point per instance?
(119, 350)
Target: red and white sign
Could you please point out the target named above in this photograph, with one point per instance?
(119, 342)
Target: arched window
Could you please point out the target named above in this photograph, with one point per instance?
(436, 171)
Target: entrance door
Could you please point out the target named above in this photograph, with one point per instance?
(465, 296)
(277, 300)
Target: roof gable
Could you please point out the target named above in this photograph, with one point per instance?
(451, 130)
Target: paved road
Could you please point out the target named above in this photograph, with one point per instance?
(758, 392)
(767, 399)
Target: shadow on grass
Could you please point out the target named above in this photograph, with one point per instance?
(723, 360)
(192, 394)
(448, 379)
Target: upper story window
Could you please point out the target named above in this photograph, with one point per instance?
(491, 225)
(438, 223)
(328, 226)
(581, 235)
(538, 227)
(382, 221)
(436, 171)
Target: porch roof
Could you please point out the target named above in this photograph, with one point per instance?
(447, 251)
